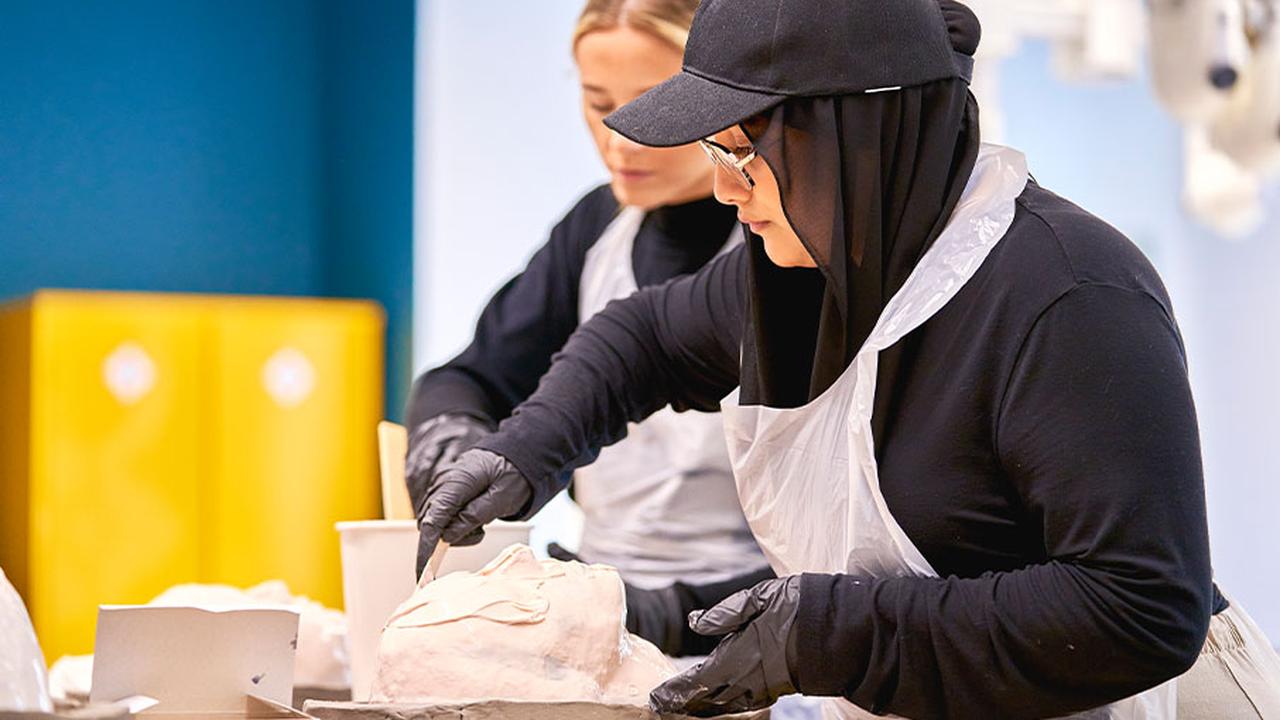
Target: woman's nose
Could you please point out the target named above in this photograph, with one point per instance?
(728, 189)
(621, 144)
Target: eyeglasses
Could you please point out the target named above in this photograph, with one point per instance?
(734, 162)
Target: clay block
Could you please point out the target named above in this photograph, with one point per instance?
(495, 710)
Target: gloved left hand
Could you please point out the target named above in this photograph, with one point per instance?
(751, 668)
(434, 445)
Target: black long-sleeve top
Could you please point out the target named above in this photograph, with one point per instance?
(1041, 450)
(534, 313)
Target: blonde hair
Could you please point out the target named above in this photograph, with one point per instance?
(667, 20)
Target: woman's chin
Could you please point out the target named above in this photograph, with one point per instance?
(788, 257)
(628, 194)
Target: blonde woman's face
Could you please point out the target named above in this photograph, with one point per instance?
(616, 66)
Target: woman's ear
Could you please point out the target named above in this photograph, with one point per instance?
(756, 125)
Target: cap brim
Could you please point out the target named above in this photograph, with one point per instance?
(686, 108)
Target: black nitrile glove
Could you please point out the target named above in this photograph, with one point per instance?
(655, 615)
(750, 668)
(477, 489)
(556, 551)
(434, 445)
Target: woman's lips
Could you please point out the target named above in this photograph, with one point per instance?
(633, 175)
(757, 226)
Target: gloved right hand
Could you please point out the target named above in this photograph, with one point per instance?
(435, 444)
(477, 489)
(752, 666)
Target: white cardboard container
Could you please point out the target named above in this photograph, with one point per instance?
(196, 663)
(378, 558)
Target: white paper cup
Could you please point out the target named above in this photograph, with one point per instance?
(378, 559)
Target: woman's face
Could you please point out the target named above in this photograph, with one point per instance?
(616, 66)
(761, 206)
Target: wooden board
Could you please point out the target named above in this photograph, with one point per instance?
(496, 710)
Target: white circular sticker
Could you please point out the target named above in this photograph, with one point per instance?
(289, 377)
(129, 373)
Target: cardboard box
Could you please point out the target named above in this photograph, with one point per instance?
(195, 663)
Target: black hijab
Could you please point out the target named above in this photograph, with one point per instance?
(868, 181)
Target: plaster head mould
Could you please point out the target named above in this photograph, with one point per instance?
(518, 629)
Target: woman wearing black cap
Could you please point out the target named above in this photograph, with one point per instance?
(962, 430)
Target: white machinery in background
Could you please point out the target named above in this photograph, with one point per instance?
(1214, 64)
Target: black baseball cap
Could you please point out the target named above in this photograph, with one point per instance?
(746, 56)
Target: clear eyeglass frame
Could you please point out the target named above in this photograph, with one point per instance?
(735, 163)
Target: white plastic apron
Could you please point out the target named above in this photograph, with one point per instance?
(661, 504)
(807, 476)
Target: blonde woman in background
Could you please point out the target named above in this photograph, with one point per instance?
(660, 506)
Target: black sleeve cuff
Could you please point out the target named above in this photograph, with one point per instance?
(449, 391)
(832, 645)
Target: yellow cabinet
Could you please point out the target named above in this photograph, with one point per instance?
(295, 397)
(147, 440)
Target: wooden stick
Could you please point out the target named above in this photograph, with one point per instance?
(432, 569)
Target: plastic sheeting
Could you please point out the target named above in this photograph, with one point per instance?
(24, 687)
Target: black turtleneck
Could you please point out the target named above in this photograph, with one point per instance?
(532, 316)
(679, 239)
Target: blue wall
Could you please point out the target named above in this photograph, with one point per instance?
(209, 146)
(367, 202)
